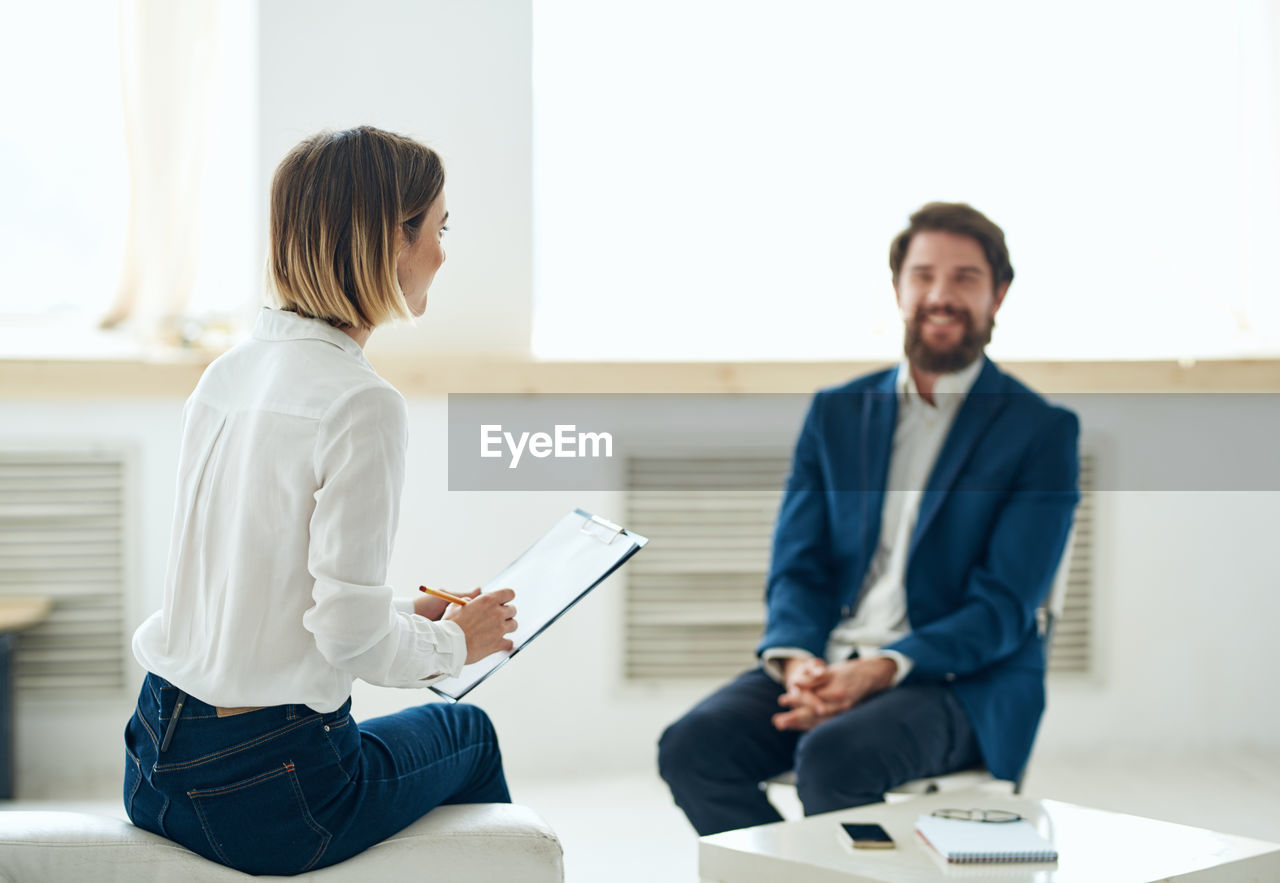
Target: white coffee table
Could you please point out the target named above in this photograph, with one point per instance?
(1093, 845)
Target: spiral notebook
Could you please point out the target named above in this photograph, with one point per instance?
(965, 842)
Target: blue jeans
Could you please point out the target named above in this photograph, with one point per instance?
(286, 789)
(715, 757)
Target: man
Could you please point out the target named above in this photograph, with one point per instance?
(924, 519)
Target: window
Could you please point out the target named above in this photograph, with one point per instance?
(65, 143)
(720, 180)
(64, 171)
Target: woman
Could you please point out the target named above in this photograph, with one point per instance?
(242, 747)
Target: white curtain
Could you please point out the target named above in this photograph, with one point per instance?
(167, 60)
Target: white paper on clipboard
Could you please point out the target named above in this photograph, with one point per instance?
(555, 573)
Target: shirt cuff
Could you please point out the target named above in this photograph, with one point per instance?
(773, 660)
(904, 663)
(403, 605)
(452, 650)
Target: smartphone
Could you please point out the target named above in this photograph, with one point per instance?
(867, 836)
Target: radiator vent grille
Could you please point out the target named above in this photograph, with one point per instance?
(694, 598)
(62, 536)
(1072, 648)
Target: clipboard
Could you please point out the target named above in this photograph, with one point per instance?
(553, 574)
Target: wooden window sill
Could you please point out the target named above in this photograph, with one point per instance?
(27, 379)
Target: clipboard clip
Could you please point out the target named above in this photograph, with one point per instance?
(602, 529)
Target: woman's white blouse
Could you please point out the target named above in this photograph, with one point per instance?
(288, 497)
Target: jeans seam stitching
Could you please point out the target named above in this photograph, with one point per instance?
(137, 781)
(164, 808)
(337, 757)
(208, 834)
(325, 836)
(209, 758)
(155, 741)
(197, 793)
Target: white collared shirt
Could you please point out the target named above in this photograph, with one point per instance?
(880, 615)
(288, 498)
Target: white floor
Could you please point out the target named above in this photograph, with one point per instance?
(624, 827)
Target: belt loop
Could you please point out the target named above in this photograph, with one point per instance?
(173, 721)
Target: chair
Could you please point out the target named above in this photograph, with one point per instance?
(475, 843)
(1047, 616)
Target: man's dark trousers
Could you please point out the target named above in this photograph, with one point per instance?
(715, 757)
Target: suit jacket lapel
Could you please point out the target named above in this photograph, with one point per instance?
(980, 406)
(879, 418)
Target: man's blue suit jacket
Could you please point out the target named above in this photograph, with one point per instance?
(992, 526)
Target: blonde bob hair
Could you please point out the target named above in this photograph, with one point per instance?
(337, 201)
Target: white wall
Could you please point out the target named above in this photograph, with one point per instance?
(457, 77)
(1187, 604)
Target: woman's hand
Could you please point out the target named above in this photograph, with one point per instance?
(486, 621)
(432, 607)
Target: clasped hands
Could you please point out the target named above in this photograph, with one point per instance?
(817, 692)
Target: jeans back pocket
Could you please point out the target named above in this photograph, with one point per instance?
(261, 825)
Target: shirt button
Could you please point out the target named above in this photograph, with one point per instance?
(326, 728)
(950, 677)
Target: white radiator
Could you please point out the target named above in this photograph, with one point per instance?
(695, 605)
(1072, 649)
(64, 536)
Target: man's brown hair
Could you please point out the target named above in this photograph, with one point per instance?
(963, 220)
(337, 201)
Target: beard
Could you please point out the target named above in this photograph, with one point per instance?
(922, 356)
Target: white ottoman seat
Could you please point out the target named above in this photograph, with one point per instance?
(484, 843)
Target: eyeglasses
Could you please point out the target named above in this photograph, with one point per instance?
(998, 816)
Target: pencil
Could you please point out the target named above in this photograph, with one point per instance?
(452, 599)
